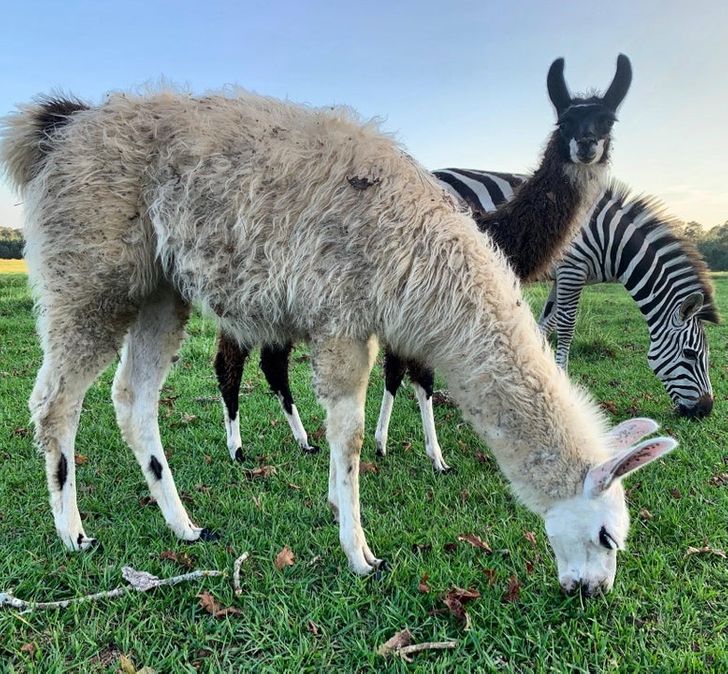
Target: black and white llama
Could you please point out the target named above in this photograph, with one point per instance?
(631, 240)
(532, 230)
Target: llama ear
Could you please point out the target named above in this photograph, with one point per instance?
(556, 85)
(620, 84)
(690, 306)
(601, 477)
(628, 432)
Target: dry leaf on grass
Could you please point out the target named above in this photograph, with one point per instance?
(399, 640)
(182, 558)
(609, 406)
(260, 473)
(366, 467)
(490, 574)
(284, 558)
(513, 593)
(213, 607)
(645, 515)
(719, 480)
(531, 538)
(455, 599)
(706, 550)
(313, 628)
(422, 586)
(126, 666)
(476, 542)
(28, 648)
(80, 459)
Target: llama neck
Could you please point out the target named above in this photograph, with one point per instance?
(462, 312)
(539, 222)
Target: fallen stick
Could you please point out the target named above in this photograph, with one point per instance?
(404, 651)
(139, 581)
(236, 573)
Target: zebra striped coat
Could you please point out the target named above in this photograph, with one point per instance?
(633, 241)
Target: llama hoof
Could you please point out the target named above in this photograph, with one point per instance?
(239, 456)
(208, 535)
(311, 449)
(381, 449)
(80, 543)
(445, 469)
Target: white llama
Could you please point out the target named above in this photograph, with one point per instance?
(288, 223)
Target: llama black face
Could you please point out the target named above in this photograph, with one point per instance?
(584, 130)
(585, 124)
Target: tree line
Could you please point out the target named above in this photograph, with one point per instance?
(712, 243)
(11, 243)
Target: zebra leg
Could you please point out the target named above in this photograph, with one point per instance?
(394, 369)
(568, 293)
(423, 381)
(274, 363)
(152, 342)
(229, 363)
(547, 321)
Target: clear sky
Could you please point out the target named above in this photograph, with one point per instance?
(462, 83)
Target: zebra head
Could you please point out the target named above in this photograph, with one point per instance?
(679, 356)
(587, 530)
(585, 124)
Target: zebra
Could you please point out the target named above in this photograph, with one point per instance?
(632, 240)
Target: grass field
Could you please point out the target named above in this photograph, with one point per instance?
(668, 611)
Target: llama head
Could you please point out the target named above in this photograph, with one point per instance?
(585, 123)
(679, 356)
(587, 530)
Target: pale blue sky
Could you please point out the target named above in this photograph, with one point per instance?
(462, 83)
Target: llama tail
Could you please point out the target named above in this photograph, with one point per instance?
(28, 136)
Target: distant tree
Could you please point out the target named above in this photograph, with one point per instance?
(714, 247)
(11, 243)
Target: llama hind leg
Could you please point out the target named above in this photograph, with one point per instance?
(341, 372)
(76, 351)
(146, 358)
(423, 381)
(229, 363)
(394, 369)
(274, 363)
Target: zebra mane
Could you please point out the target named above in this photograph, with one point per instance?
(649, 214)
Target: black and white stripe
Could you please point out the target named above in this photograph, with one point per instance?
(630, 240)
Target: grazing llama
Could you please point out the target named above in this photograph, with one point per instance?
(532, 230)
(288, 223)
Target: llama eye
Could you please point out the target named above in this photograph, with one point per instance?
(605, 540)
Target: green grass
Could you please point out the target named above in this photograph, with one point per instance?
(667, 612)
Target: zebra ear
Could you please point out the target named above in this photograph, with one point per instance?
(690, 306)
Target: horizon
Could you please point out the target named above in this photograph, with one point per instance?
(460, 86)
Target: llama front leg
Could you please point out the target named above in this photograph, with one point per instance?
(341, 372)
(394, 369)
(146, 357)
(274, 363)
(229, 363)
(423, 381)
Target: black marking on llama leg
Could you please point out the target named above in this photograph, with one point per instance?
(62, 471)
(155, 467)
(422, 375)
(274, 363)
(239, 456)
(229, 363)
(208, 535)
(394, 369)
